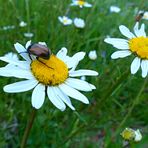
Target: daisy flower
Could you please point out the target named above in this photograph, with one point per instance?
(136, 44)
(28, 35)
(115, 9)
(79, 23)
(22, 24)
(80, 3)
(54, 77)
(145, 15)
(65, 20)
(92, 55)
(131, 134)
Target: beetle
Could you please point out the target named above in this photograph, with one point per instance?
(39, 50)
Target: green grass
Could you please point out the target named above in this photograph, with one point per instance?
(110, 110)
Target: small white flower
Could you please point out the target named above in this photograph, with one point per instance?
(22, 24)
(65, 20)
(80, 3)
(145, 15)
(136, 44)
(57, 77)
(79, 23)
(8, 27)
(28, 35)
(92, 55)
(83, 78)
(138, 136)
(115, 9)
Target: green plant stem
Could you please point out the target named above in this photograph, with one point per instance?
(28, 128)
(28, 14)
(112, 89)
(136, 101)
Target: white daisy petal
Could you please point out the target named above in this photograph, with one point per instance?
(83, 72)
(139, 32)
(21, 86)
(135, 65)
(15, 72)
(28, 44)
(117, 43)
(142, 30)
(92, 86)
(87, 4)
(121, 54)
(38, 96)
(126, 32)
(78, 84)
(22, 51)
(73, 61)
(73, 93)
(62, 53)
(144, 67)
(63, 97)
(55, 99)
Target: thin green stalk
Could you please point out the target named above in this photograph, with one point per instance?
(28, 14)
(135, 102)
(28, 128)
(112, 89)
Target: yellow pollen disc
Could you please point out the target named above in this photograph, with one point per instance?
(49, 72)
(81, 3)
(139, 46)
(65, 21)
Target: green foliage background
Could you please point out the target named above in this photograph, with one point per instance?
(120, 100)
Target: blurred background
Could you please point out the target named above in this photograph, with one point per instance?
(112, 105)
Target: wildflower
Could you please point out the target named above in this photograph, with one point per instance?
(92, 55)
(8, 27)
(130, 134)
(28, 35)
(138, 136)
(22, 24)
(65, 20)
(136, 44)
(79, 23)
(80, 3)
(54, 77)
(145, 15)
(83, 78)
(115, 9)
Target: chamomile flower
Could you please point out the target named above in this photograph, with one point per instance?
(115, 9)
(22, 24)
(80, 3)
(136, 44)
(65, 20)
(145, 15)
(79, 23)
(131, 134)
(92, 55)
(28, 35)
(54, 77)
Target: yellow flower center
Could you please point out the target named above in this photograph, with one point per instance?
(128, 134)
(81, 3)
(65, 21)
(49, 72)
(139, 46)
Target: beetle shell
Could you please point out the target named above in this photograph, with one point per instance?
(39, 51)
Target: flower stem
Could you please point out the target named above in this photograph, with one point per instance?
(28, 128)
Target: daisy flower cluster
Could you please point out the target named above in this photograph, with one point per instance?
(55, 77)
(78, 22)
